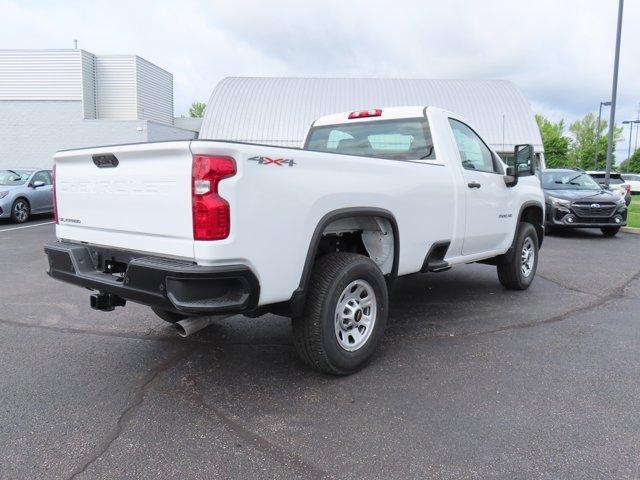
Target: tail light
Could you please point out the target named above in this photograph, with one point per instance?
(374, 112)
(211, 216)
(55, 201)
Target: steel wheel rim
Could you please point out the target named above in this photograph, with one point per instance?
(527, 257)
(21, 211)
(355, 315)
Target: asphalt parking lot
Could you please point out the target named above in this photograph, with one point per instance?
(471, 381)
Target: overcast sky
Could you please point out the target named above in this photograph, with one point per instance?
(560, 53)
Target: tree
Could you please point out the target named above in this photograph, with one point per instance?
(196, 110)
(632, 164)
(556, 145)
(582, 149)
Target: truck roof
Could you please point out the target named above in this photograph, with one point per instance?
(389, 113)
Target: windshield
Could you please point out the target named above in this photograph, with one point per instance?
(14, 177)
(568, 181)
(406, 139)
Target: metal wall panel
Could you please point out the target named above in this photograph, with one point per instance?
(88, 84)
(40, 75)
(155, 92)
(116, 96)
(279, 110)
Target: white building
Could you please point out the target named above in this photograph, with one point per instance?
(52, 100)
(279, 110)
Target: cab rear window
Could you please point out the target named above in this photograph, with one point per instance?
(405, 139)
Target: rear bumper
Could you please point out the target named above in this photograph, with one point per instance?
(157, 282)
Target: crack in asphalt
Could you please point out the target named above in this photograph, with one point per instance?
(139, 393)
(566, 287)
(617, 293)
(283, 456)
(135, 336)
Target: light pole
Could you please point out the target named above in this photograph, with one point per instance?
(595, 160)
(630, 122)
(614, 94)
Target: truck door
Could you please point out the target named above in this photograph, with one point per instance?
(488, 202)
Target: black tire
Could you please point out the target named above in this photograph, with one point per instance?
(510, 271)
(314, 333)
(20, 210)
(168, 316)
(610, 231)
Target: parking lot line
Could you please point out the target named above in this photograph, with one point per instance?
(25, 226)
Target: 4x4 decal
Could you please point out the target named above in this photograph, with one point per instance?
(273, 161)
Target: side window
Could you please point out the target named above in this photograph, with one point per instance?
(42, 176)
(474, 153)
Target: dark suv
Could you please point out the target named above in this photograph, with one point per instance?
(574, 199)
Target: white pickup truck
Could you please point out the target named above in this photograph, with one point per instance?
(202, 227)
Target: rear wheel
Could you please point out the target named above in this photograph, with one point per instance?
(610, 231)
(517, 270)
(345, 314)
(20, 211)
(168, 316)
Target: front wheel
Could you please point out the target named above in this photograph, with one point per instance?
(610, 231)
(345, 314)
(517, 270)
(20, 211)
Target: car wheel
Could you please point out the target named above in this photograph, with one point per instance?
(167, 315)
(610, 231)
(20, 211)
(516, 272)
(344, 316)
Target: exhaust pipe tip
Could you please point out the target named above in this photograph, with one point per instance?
(191, 325)
(180, 330)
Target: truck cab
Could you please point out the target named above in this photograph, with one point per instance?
(483, 213)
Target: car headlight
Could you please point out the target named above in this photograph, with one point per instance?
(559, 202)
(3, 194)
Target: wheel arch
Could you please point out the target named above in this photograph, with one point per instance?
(533, 212)
(21, 197)
(296, 304)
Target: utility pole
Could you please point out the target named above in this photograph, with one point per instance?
(614, 95)
(597, 145)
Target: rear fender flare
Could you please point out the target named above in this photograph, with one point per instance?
(298, 297)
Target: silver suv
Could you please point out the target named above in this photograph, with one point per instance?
(25, 192)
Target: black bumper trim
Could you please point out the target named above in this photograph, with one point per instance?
(158, 282)
(557, 220)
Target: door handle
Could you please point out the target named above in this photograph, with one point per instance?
(473, 185)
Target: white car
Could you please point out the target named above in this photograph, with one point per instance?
(633, 179)
(617, 184)
(193, 228)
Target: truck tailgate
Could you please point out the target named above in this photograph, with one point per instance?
(136, 197)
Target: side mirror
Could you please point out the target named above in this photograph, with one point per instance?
(524, 158)
(37, 184)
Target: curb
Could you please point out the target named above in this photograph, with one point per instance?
(631, 230)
